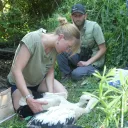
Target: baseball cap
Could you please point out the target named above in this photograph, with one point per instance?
(78, 8)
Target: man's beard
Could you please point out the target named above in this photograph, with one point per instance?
(79, 24)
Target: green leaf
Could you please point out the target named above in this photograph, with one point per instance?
(111, 72)
(114, 102)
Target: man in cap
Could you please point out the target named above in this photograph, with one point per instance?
(92, 52)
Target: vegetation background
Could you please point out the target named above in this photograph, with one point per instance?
(20, 17)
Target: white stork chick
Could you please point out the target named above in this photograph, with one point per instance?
(53, 99)
(64, 114)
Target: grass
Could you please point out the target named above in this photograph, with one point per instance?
(92, 120)
(15, 122)
(76, 89)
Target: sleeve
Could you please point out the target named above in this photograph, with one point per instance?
(29, 42)
(98, 34)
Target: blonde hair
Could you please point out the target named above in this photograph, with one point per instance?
(69, 31)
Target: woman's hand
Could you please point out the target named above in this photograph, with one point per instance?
(35, 105)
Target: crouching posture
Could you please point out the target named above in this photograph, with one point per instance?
(33, 64)
(92, 51)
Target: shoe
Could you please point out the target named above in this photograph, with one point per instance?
(65, 78)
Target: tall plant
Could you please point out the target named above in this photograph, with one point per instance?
(113, 101)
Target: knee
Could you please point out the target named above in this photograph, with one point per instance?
(63, 94)
(76, 75)
(66, 95)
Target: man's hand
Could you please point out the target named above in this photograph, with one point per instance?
(82, 63)
(35, 105)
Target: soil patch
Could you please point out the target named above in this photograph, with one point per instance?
(5, 66)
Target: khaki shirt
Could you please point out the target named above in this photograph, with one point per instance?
(91, 37)
(39, 63)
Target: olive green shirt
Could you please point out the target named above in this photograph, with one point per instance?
(91, 37)
(39, 62)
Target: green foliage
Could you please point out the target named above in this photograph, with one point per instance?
(12, 26)
(113, 101)
(14, 123)
(57, 72)
(19, 17)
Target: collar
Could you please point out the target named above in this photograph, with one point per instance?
(85, 24)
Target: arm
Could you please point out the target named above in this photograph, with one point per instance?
(99, 54)
(20, 63)
(50, 79)
(99, 38)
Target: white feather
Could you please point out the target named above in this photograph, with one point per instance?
(54, 115)
(64, 112)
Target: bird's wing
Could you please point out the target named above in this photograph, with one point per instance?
(54, 117)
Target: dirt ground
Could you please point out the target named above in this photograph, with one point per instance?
(5, 66)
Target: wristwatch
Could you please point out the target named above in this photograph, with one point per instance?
(28, 96)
